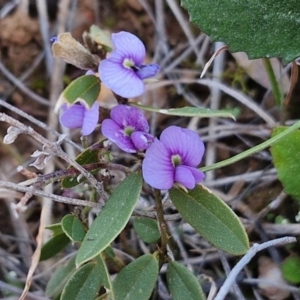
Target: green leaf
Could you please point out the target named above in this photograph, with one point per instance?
(84, 284)
(137, 280)
(54, 245)
(286, 156)
(146, 229)
(211, 218)
(182, 283)
(291, 269)
(189, 111)
(59, 278)
(73, 228)
(88, 156)
(261, 29)
(112, 218)
(85, 88)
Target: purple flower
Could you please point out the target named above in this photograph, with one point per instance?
(123, 71)
(173, 159)
(128, 129)
(78, 115)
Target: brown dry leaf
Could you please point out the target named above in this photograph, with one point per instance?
(256, 70)
(74, 53)
(269, 271)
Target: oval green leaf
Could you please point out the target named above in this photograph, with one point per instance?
(261, 29)
(84, 284)
(291, 269)
(189, 111)
(286, 157)
(112, 218)
(146, 229)
(137, 280)
(59, 278)
(211, 218)
(182, 283)
(73, 228)
(54, 245)
(85, 88)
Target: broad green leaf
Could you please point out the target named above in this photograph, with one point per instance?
(137, 280)
(286, 157)
(59, 278)
(146, 229)
(54, 245)
(291, 269)
(261, 29)
(112, 218)
(84, 284)
(182, 283)
(88, 156)
(211, 218)
(85, 88)
(73, 228)
(189, 111)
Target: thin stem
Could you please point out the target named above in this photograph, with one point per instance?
(161, 221)
(253, 150)
(274, 84)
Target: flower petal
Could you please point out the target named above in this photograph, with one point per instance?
(90, 120)
(185, 177)
(198, 175)
(125, 115)
(72, 117)
(147, 71)
(113, 132)
(120, 80)
(141, 140)
(127, 45)
(184, 142)
(158, 170)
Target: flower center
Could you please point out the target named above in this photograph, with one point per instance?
(176, 160)
(128, 130)
(128, 64)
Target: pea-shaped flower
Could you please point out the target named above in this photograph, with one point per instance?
(123, 71)
(80, 116)
(173, 159)
(127, 128)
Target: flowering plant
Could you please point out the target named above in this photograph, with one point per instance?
(135, 175)
(170, 163)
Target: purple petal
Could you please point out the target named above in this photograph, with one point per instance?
(72, 117)
(90, 120)
(198, 175)
(184, 142)
(147, 71)
(158, 170)
(113, 132)
(120, 80)
(127, 45)
(141, 140)
(125, 115)
(185, 177)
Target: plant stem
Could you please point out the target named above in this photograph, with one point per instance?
(161, 221)
(253, 150)
(274, 84)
